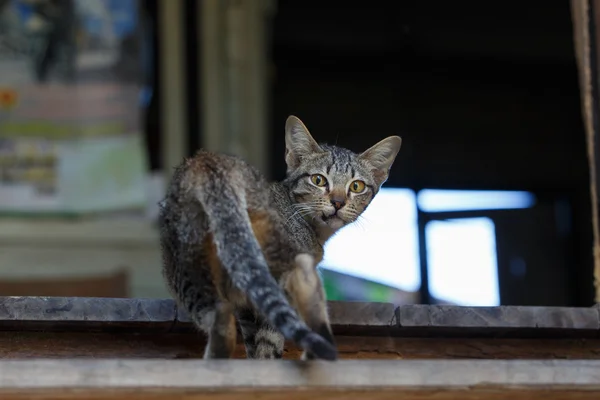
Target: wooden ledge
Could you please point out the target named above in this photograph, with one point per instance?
(303, 379)
(504, 321)
(366, 319)
(93, 328)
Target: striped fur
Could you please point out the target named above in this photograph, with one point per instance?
(236, 247)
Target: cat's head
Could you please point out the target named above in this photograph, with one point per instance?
(331, 185)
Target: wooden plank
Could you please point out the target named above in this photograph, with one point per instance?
(586, 19)
(213, 73)
(234, 79)
(86, 313)
(348, 318)
(173, 87)
(362, 314)
(241, 376)
(32, 345)
(476, 393)
(106, 314)
(506, 321)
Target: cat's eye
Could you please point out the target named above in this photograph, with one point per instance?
(318, 180)
(357, 187)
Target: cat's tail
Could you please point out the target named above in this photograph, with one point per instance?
(241, 256)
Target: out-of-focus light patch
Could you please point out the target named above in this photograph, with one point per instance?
(383, 245)
(432, 200)
(462, 261)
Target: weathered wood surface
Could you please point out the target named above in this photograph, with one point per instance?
(86, 313)
(91, 348)
(586, 21)
(35, 327)
(477, 393)
(160, 379)
(499, 321)
(31, 345)
(349, 318)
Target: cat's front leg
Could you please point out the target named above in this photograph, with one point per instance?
(304, 288)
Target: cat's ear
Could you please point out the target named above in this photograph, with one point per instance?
(298, 142)
(381, 156)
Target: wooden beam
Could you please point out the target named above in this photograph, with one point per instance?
(213, 75)
(309, 394)
(172, 84)
(227, 379)
(506, 321)
(68, 348)
(42, 327)
(348, 318)
(36, 345)
(586, 19)
(234, 84)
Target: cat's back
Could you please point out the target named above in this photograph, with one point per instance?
(204, 188)
(212, 171)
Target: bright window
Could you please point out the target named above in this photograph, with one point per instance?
(383, 245)
(432, 200)
(462, 261)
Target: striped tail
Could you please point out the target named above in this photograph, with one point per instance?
(241, 256)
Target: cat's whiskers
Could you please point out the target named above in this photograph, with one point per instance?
(360, 224)
(364, 221)
(301, 210)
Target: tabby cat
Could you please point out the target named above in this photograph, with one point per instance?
(236, 247)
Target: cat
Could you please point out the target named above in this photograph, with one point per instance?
(236, 247)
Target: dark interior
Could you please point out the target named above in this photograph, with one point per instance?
(485, 96)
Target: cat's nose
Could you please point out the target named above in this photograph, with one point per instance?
(338, 202)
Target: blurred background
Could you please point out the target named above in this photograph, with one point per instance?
(488, 200)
